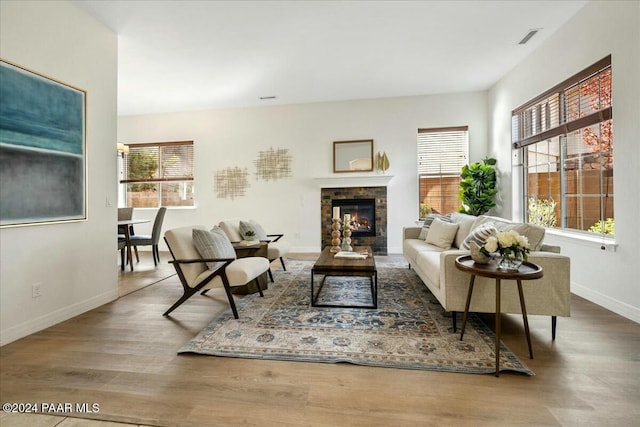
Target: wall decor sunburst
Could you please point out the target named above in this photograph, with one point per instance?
(231, 182)
(273, 164)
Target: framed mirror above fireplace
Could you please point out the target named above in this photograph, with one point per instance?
(353, 156)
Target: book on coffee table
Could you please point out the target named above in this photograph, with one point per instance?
(354, 255)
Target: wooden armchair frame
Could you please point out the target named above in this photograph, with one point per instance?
(189, 291)
(277, 237)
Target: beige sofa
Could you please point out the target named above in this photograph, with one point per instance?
(435, 265)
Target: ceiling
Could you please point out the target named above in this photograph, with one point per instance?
(197, 55)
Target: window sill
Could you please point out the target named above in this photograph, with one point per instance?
(604, 243)
(168, 208)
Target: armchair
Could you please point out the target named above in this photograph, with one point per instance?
(200, 272)
(276, 248)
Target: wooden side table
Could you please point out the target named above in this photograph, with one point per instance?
(527, 271)
(244, 251)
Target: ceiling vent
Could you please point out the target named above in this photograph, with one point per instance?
(530, 34)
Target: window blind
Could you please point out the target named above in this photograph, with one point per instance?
(442, 151)
(159, 162)
(580, 101)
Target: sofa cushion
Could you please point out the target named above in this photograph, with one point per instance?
(479, 235)
(429, 263)
(213, 244)
(465, 223)
(411, 248)
(533, 233)
(441, 233)
(429, 220)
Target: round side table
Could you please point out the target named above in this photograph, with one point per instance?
(527, 271)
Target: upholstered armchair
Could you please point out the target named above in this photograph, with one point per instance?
(206, 259)
(276, 248)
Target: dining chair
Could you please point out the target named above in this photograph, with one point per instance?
(150, 240)
(124, 214)
(121, 247)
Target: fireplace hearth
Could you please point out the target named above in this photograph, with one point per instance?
(368, 209)
(362, 213)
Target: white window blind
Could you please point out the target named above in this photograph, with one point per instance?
(442, 151)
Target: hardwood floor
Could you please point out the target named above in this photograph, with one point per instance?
(122, 356)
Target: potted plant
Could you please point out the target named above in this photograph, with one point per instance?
(478, 187)
(250, 235)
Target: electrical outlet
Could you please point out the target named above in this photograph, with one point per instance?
(297, 235)
(36, 290)
(108, 202)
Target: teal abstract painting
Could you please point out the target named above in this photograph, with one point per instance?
(42, 149)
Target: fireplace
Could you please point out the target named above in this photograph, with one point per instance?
(366, 205)
(362, 213)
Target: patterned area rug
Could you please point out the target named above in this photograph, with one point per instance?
(409, 329)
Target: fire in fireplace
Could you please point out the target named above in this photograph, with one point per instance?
(362, 212)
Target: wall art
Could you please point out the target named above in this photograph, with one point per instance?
(273, 164)
(42, 149)
(231, 182)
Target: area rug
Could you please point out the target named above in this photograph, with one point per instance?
(408, 330)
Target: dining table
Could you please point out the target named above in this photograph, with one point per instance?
(124, 227)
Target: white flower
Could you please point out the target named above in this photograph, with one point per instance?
(507, 242)
(491, 245)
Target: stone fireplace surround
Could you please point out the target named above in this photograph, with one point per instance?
(378, 242)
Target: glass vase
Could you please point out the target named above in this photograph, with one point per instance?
(510, 261)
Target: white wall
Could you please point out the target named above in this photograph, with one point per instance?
(605, 277)
(227, 138)
(74, 262)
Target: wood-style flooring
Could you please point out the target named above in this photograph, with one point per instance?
(123, 356)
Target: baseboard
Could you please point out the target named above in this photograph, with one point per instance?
(34, 325)
(618, 307)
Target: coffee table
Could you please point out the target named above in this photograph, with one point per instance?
(329, 265)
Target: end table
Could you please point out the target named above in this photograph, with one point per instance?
(527, 271)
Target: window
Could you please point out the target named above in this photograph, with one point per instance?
(441, 154)
(566, 135)
(158, 174)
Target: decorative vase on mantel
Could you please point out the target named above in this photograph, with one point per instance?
(510, 261)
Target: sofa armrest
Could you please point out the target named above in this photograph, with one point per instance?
(411, 232)
(550, 248)
(549, 295)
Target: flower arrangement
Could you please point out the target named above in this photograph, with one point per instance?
(507, 243)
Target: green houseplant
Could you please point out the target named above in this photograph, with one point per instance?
(478, 187)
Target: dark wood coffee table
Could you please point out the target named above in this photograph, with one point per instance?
(527, 271)
(328, 265)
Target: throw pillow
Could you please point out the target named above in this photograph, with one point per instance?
(465, 224)
(429, 220)
(247, 226)
(441, 233)
(479, 235)
(262, 235)
(213, 244)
